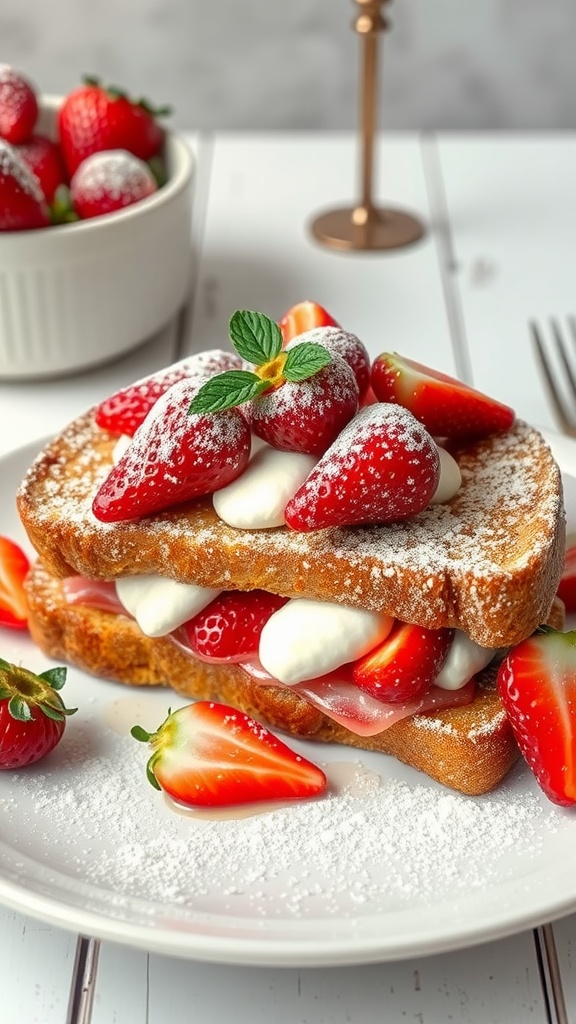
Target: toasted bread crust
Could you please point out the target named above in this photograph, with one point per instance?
(487, 562)
(469, 749)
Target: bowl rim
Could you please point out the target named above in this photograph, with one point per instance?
(184, 165)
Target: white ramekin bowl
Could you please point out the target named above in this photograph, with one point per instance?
(77, 295)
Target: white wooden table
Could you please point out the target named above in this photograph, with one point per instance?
(501, 217)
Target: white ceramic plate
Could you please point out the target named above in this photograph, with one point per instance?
(388, 866)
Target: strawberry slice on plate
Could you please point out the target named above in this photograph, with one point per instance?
(229, 628)
(446, 406)
(302, 317)
(211, 755)
(537, 686)
(14, 566)
(405, 664)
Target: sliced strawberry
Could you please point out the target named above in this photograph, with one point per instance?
(174, 457)
(229, 628)
(211, 755)
(446, 407)
(384, 466)
(405, 664)
(14, 566)
(32, 714)
(567, 586)
(18, 105)
(302, 317)
(537, 685)
(109, 181)
(125, 410)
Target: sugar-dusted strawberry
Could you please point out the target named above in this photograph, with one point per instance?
(347, 346)
(211, 755)
(14, 566)
(44, 159)
(32, 714)
(125, 410)
(384, 466)
(229, 628)
(302, 317)
(405, 664)
(93, 118)
(567, 585)
(18, 105)
(446, 406)
(108, 181)
(537, 685)
(22, 203)
(297, 399)
(174, 457)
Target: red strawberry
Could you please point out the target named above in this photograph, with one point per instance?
(174, 457)
(32, 714)
(537, 685)
(446, 407)
(302, 317)
(567, 585)
(229, 628)
(93, 118)
(14, 566)
(211, 755)
(44, 159)
(384, 466)
(18, 105)
(405, 664)
(126, 409)
(22, 203)
(109, 181)
(346, 345)
(297, 399)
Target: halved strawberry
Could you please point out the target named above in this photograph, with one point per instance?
(211, 755)
(229, 628)
(405, 664)
(537, 686)
(32, 714)
(126, 409)
(446, 406)
(174, 457)
(567, 586)
(14, 565)
(382, 467)
(302, 317)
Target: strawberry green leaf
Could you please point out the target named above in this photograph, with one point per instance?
(55, 714)
(304, 360)
(255, 336)
(18, 709)
(56, 677)
(4, 664)
(150, 772)
(140, 734)
(225, 390)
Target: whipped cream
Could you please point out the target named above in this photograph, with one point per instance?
(464, 659)
(305, 639)
(160, 605)
(257, 498)
(450, 478)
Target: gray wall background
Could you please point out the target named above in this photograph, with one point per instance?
(293, 64)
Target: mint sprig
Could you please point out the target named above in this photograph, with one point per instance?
(258, 339)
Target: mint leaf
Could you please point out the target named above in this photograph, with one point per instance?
(305, 360)
(255, 337)
(225, 390)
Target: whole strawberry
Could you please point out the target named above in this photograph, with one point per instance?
(297, 399)
(537, 686)
(108, 181)
(32, 714)
(93, 118)
(22, 203)
(174, 457)
(18, 105)
(44, 159)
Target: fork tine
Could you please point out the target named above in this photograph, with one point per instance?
(561, 350)
(556, 402)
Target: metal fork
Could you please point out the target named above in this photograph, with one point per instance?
(558, 370)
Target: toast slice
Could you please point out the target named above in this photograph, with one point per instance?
(468, 748)
(487, 562)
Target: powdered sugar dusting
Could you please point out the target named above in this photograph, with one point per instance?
(12, 166)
